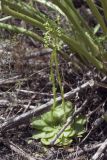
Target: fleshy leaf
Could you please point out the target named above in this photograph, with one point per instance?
(39, 135)
(38, 124)
(51, 122)
(65, 141)
(58, 114)
(49, 135)
(48, 129)
(72, 133)
(68, 108)
(48, 118)
(45, 141)
(81, 120)
(78, 128)
(66, 133)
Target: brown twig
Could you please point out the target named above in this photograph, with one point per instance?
(18, 150)
(97, 122)
(95, 125)
(13, 80)
(85, 149)
(100, 151)
(39, 53)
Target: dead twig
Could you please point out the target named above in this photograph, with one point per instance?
(39, 53)
(29, 103)
(100, 151)
(95, 125)
(83, 150)
(18, 150)
(13, 80)
(27, 92)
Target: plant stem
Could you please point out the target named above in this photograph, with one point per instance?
(22, 17)
(21, 30)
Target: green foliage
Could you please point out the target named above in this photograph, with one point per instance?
(47, 126)
(81, 39)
